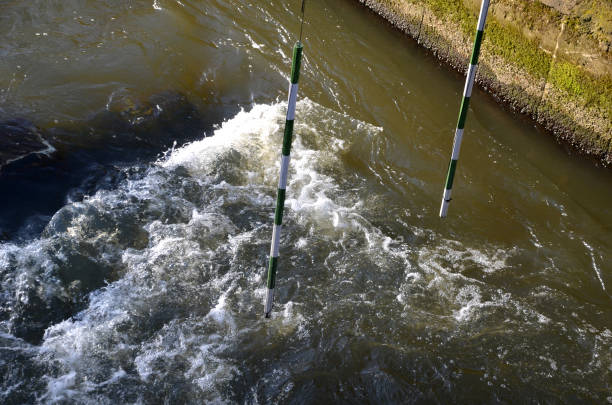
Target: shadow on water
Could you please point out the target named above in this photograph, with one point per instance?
(44, 168)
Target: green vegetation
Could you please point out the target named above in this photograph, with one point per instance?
(456, 11)
(508, 41)
(524, 34)
(595, 92)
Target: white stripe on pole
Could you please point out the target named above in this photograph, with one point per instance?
(445, 202)
(447, 194)
(483, 15)
(457, 144)
(276, 234)
(282, 181)
(293, 91)
(269, 300)
(469, 84)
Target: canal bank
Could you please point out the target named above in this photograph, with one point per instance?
(547, 59)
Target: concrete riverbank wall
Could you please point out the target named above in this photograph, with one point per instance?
(550, 59)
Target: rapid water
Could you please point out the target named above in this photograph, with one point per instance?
(137, 218)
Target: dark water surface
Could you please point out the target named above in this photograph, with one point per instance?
(136, 213)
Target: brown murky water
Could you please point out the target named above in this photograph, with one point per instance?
(146, 283)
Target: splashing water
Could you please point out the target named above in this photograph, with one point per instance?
(150, 288)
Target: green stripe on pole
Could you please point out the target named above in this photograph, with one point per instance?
(286, 151)
(450, 177)
(476, 50)
(280, 207)
(463, 112)
(273, 265)
(287, 138)
(297, 62)
(469, 83)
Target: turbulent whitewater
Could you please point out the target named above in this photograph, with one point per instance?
(165, 275)
(133, 271)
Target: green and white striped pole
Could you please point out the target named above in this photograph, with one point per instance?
(282, 183)
(467, 93)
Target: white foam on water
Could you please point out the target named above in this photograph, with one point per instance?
(61, 388)
(470, 299)
(191, 272)
(48, 150)
(254, 44)
(36, 271)
(179, 304)
(464, 298)
(595, 266)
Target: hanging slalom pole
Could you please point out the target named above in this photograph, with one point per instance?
(467, 93)
(285, 158)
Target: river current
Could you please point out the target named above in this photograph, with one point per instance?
(139, 170)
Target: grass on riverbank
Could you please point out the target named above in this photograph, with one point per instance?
(509, 42)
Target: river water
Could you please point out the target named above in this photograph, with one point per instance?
(137, 208)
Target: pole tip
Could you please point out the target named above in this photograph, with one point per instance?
(444, 208)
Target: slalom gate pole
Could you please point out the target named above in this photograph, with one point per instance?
(285, 158)
(467, 93)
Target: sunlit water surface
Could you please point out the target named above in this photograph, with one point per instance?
(136, 218)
